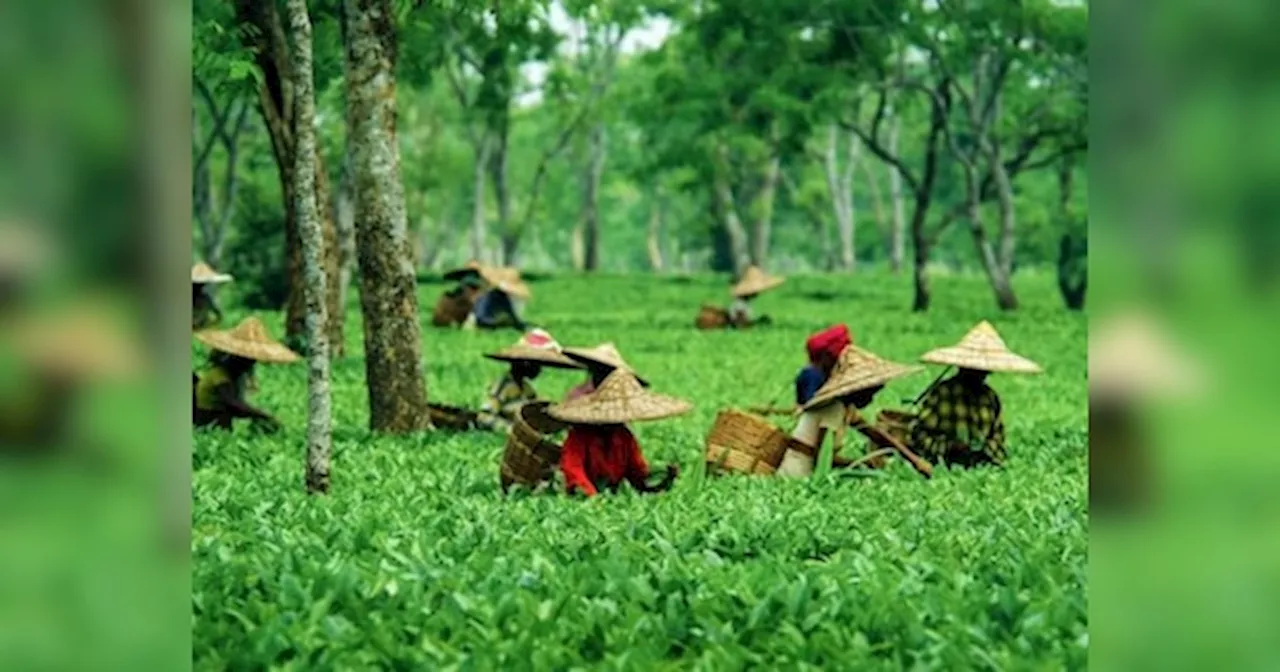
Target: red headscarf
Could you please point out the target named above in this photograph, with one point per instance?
(832, 341)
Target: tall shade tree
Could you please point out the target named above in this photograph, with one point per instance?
(311, 235)
(388, 298)
(262, 32)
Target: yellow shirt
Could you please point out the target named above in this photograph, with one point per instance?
(214, 377)
(207, 388)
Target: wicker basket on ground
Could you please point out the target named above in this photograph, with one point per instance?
(452, 417)
(531, 457)
(744, 443)
(451, 310)
(712, 317)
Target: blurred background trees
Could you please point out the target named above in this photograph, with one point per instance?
(654, 136)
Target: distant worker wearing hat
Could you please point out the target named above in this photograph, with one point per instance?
(455, 305)
(824, 348)
(960, 419)
(599, 361)
(498, 306)
(600, 452)
(204, 311)
(221, 389)
(753, 283)
(527, 357)
(857, 378)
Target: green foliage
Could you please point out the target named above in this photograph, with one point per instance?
(255, 252)
(417, 562)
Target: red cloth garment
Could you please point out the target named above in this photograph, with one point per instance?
(832, 341)
(608, 453)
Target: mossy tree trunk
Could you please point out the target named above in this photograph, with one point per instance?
(388, 296)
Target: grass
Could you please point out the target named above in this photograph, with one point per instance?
(417, 562)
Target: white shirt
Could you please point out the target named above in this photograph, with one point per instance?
(739, 309)
(830, 417)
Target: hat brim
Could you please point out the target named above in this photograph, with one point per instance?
(740, 290)
(460, 273)
(994, 362)
(587, 410)
(865, 379)
(262, 352)
(588, 360)
(535, 356)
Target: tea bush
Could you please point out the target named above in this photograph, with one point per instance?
(416, 561)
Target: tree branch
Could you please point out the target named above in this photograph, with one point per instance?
(872, 141)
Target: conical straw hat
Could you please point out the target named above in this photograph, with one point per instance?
(755, 281)
(858, 369)
(508, 280)
(982, 349)
(463, 271)
(203, 274)
(619, 399)
(605, 354)
(248, 339)
(537, 347)
(83, 343)
(1132, 357)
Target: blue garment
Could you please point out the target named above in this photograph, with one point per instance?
(811, 378)
(493, 309)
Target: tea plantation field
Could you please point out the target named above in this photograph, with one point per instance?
(416, 561)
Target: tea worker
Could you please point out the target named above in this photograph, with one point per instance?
(854, 383)
(59, 358)
(1132, 361)
(454, 306)
(204, 312)
(960, 420)
(753, 283)
(824, 349)
(527, 357)
(600, 361)
(498, 306)
(600, 452)
(222, 388)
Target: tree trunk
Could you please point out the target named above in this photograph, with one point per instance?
(266, 39)
(920, 259)
(763, 224)
(502, 192)
(202, 192)
(735, 233)
(345, 224)
(897, 239)
(577, 248)
(1008, 213)
(591, 196)
(312, 238)
(388, 296)
(478, 234)
(654, 238)
(840, 191)
(996, 274)
(1073, 272)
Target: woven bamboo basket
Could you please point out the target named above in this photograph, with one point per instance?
(451, 310)
(452, 417)
(744, 443)
(531, 457)
(712, 317)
